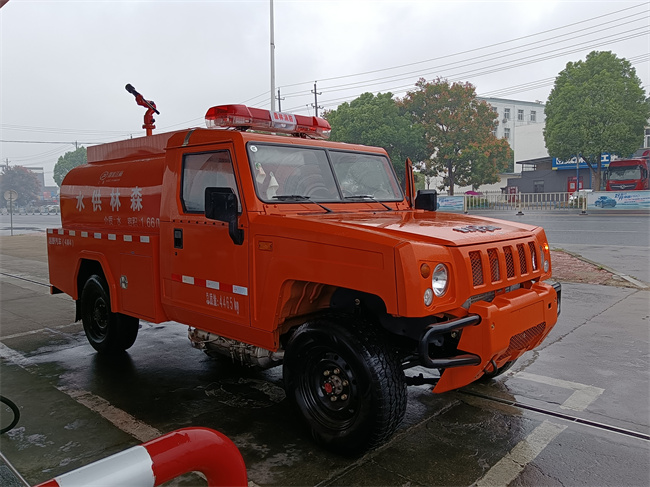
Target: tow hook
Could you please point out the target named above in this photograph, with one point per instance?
(494, 367)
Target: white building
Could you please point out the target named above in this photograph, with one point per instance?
(522, 124)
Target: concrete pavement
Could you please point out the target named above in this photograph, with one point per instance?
(77, 408)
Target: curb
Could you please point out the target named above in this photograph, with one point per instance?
(631, 280)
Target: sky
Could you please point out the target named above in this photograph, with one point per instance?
(64, 64)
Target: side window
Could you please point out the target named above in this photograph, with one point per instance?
(206, 170)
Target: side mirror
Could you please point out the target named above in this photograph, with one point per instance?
(221, 205)
(427, 199)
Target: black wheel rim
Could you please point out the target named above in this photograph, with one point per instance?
(99, 319)
(329, 389)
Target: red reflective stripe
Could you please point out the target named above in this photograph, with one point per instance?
(49, 483)
(225, 287)
(197, 449)
(177, 278)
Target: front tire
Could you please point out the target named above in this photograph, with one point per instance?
(349, 388)
(107, 332)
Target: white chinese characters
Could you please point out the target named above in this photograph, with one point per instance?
(115, 199)
(136, 199)
(115, 202)
(80, 202)
(97, 200)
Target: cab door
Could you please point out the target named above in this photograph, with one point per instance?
(207, 278)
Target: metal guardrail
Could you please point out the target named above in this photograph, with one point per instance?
(524, 201)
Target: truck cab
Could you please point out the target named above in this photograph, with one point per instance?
(628, 175)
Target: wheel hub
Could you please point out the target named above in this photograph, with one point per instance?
(335, 384)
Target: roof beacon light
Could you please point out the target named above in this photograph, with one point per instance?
(245, 118)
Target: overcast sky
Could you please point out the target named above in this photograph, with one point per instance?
(64, 64)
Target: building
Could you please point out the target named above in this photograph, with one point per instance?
(522, 124)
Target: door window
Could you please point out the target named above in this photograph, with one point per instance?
(206, 170)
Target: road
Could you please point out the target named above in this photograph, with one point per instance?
(573, 412)
(618, 241)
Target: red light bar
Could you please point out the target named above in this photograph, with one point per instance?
(243, 117)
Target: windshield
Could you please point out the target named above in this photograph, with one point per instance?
(291, 173)
(624, 173)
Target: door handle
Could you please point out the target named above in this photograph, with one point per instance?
(178, 238)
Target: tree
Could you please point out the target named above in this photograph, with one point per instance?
(21, 180)
(596, 106)
(458, 132)
(69, 161)
(378, 121)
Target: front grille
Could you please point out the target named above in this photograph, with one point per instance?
(500, 264)
(477, 268)
(522, 259)
(533, 255)
(494, 264)
(521, 341)
(510, 263)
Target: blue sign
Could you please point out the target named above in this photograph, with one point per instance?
(450, 203)
(619, 200)
(605, 159)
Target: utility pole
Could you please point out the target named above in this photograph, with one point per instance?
(272, 61)
(315, 104)
(279, 101)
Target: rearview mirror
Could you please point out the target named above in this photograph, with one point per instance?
(221, 205)
(427, 199)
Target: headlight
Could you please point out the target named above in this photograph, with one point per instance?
(440, 279)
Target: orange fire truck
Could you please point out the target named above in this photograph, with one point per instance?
(276, 246)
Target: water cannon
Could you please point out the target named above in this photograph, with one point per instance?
(149, 105)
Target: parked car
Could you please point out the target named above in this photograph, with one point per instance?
(579, 194)
(605, 202)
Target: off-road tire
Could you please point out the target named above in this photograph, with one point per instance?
(107, 332)
(347, 359)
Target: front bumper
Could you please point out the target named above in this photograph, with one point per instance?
(493, 333)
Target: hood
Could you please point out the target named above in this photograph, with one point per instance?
(441, 228)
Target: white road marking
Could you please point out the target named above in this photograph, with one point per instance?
(581, 398)
(118, 417)
(101, 406)
(34, 332)
(509, 467)
(12, 356)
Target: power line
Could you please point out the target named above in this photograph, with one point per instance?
(475, 49)
(409, 75)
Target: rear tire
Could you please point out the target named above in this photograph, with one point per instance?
(349, 388)
(107, 332)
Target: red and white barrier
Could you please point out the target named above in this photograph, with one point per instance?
(157, 461)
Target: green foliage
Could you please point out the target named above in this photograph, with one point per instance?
(69, 161)
(378, 121)
(21, 180)
(597, 105)
(458, 130)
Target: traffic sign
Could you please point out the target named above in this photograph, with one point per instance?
(11, 195)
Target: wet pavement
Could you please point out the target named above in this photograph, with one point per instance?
(575, 411)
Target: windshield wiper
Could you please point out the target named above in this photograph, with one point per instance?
(367, 197)
(300, 198)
